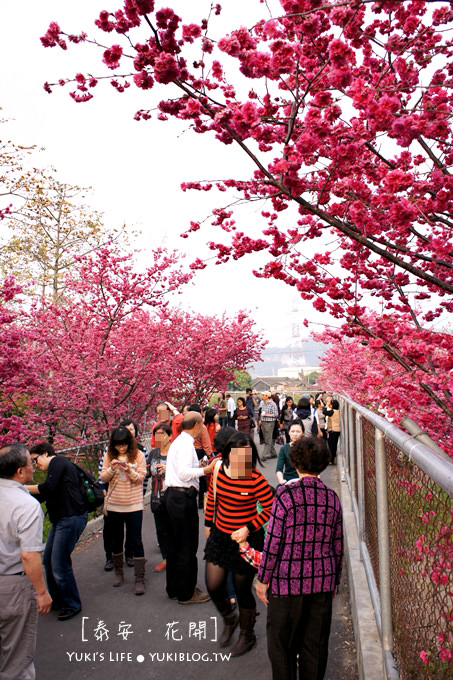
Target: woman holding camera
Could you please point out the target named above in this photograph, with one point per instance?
(124, 469)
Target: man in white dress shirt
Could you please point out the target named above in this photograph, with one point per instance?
(182, 476)
(231, 406)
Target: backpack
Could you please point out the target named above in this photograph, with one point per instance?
(90, 488)
(310, 426)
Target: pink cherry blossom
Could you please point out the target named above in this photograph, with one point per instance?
(112, 56)
(424, 657)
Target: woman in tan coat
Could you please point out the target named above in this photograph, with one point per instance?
(333, 428)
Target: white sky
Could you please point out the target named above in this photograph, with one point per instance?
(135, 168)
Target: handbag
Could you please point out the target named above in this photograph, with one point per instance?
(157, 494)
(112, 485)
(156, 503)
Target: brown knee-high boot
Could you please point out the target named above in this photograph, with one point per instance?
(230, 620)
(118, 567)
(139, 565)
(247, 637)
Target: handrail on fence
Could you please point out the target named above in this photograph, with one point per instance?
(402, 496)
(92, 453)
(439, 467)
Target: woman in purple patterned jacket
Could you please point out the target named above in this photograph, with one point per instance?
(301, 566)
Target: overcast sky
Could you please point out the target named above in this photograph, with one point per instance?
(135, 168)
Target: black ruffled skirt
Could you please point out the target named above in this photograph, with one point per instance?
(220, 549)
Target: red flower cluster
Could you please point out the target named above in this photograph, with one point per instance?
(52, 37)
(112, 56)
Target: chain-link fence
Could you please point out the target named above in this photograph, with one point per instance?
(403, 501)
(89, 455)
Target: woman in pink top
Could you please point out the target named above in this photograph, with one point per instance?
(124, 470)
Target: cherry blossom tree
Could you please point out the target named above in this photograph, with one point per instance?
(344, 110)
(18, 378)
(98, 355)
(392, 385)
(111, 347)
(207, 350)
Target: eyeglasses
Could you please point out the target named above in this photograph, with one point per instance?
(34, 461)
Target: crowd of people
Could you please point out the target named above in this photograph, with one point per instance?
(286, 541)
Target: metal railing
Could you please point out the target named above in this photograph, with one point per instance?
(89, 455)
(402, 496)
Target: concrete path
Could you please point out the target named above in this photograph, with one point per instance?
(152, 637)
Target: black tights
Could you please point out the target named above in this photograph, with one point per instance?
(216, 584)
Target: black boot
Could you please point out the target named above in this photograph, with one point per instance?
(230, 620)
(247, 638)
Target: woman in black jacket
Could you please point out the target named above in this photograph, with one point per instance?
(303, 412)
(286, 417)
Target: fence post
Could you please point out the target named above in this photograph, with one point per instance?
(344, 433)
(351, 449)
(385, 589)
(360, 478)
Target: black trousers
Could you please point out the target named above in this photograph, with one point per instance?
(332, 441)
(161, 521)
(133, 523)
(107, 535)
(203, 487)
(182, 544)
(298, 629)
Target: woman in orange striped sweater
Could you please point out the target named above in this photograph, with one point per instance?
(124, 469)
(238, 488)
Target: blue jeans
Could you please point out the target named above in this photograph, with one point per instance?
(61, 541)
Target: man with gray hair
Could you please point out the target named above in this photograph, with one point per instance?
(23, 592)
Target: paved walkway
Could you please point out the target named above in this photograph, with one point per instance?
(154, 637)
